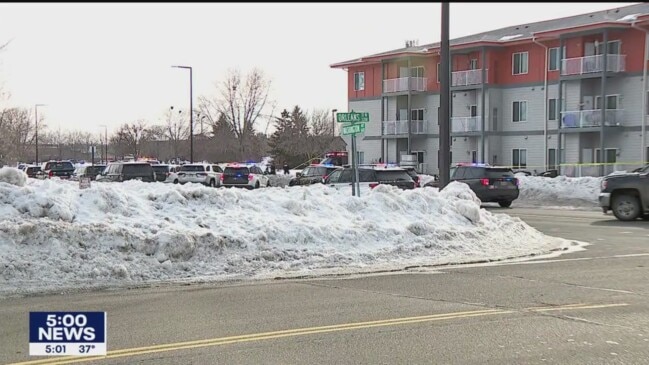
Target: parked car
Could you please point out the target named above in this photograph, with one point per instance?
(60, 169)
(627, 195)
(244, 176)
(166, 173)
(371, 177)
(314, 174)
(123, 171)
(88, 171)
(200, 173)
(32, 171)
(489, 183)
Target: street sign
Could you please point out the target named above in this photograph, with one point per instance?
(353, 129)
(353, 117)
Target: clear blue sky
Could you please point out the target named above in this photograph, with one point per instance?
(108, 64)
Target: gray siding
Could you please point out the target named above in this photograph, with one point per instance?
(534, 97)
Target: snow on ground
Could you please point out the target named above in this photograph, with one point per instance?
(54, 236)
(561, 191)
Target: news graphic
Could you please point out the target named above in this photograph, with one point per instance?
(67, 333)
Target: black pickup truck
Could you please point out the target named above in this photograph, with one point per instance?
(60, 169)
(627, 195)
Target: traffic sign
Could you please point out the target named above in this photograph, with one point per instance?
(353, 129)
(353, 117)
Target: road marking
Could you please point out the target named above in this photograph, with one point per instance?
(505, 263)
(307, 331)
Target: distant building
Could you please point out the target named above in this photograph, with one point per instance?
(511, 90)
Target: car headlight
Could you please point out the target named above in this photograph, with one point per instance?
(604, 184)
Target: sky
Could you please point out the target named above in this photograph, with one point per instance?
(107, 64)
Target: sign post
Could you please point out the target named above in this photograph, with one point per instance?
(357, 125)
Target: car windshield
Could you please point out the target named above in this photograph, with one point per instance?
(494, 173)
(65, 165)
(136, 168)
(94, 170)
(192, 168)
(162, 169)
(396, 175)
(236, 171)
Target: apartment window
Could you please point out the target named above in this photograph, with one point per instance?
(417, 71)
(359, 81)
(473, 64)
(494, 117)
(552, 158)
(474, 110)
(554, 58)
(519, 66)
(417, 114)
(519, 158)
(614, 47)
(361, 157)
(438, 67)
(520, 111)
(552, 109)
(610, 155)
(474, 156)
(611, 102)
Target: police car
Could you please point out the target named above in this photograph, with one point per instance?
(245, 175)
(489, 183)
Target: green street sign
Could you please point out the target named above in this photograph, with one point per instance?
(353, 117)
(353, 129)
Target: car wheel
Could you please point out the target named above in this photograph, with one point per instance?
(626, 207)
(257, 185)
(176, 181)
(212, 183)
(505, 204)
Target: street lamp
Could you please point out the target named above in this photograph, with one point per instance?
(333, 122)
(36, 127)
(105, 143)
(191, 114)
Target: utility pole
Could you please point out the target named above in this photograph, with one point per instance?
(444, 110)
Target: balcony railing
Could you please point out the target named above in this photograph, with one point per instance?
(466, 78)
(465, 124)
(401, 84)
(589, 64)
(591, 118)
(394, 127)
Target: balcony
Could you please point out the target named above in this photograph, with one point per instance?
(465, 124)
(466, 78)
(401, 84)
(591, 118)
(395, 127)
(591, 64)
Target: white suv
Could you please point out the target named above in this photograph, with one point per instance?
(244, 176)
(200, 173)
(166, 173)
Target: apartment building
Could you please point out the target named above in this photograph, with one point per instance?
(537, 96)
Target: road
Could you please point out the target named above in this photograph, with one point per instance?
(587, 307)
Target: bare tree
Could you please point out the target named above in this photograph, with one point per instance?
(16, 133)
(131, 135)
(241, 103)
(176, 130)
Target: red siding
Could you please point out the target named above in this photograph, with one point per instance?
(372, 82)
(499, 63)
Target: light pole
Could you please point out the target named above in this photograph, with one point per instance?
(36, 128)
(105, 143)
(191, 113)
(333, 122)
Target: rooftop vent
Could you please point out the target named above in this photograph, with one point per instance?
(412, 43)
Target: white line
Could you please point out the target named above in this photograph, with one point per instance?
(542, 261)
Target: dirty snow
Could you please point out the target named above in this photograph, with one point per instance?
(561, 191)
(54, 236)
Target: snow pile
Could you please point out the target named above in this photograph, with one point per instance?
(280, 180)
(579, 192)
(425, 179)
(55, 236)
(13, 176)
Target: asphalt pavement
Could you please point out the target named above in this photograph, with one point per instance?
(586, 307)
